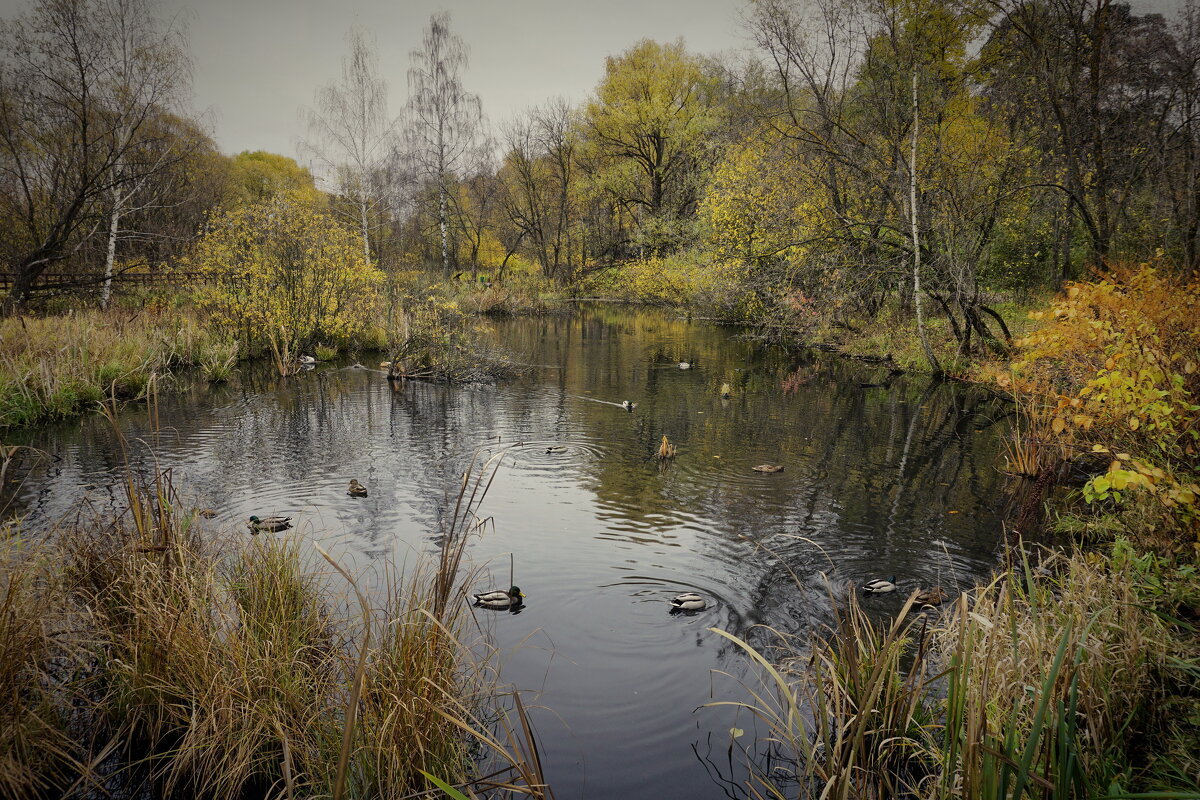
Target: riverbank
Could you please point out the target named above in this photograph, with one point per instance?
(1073, 673)
(60, 365)
(145, 648)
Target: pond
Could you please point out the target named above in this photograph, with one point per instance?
(882, 475)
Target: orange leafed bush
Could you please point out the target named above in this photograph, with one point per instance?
(1117, 365)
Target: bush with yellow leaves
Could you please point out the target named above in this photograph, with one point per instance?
(282, 275)
(1118, 366)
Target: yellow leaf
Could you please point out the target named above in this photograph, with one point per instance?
(1058, 425)
(1134, 424)
(1123, 456)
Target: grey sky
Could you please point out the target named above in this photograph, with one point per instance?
(257, 62)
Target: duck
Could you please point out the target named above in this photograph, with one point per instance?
(500, 598)
(357, 489)
(257, 524)
(725, 391)
(556, 449)
(688, 601)
(307, 360)
(929, 598)
(628, 406)
(685, 365)
(880, 586)
(768, 468)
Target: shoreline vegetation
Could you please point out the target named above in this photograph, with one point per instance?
(144, 650)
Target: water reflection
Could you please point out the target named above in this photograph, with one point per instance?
(896, 478)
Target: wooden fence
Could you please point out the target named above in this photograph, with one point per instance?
(69, 280)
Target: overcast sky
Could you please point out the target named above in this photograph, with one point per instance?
(257, 62)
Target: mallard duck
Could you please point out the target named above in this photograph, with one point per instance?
(688, 601)
(880, 586)
(307, 360)
(207, 513)
(357, 489)
(931, 597)
(768, 468)
(684, 365)
(556, 449)
(500, 598)
(257, 524)
(628, 406)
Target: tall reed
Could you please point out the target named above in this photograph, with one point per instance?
(228, 667)
(1043, 683)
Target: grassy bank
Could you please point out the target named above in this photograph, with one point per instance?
(1076, 674)
(53, 367)
(145, 651)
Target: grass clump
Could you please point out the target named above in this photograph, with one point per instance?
(1047, 682)
(165, 657)
(56, 367)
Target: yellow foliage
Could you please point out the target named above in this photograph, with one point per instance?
(284, 273)
(755, 205)
(1116, 365)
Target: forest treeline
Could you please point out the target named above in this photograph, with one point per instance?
(856, 155)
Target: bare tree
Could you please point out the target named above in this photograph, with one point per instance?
(539, 176)
(351, 134)
(82, 83)
(443, 119)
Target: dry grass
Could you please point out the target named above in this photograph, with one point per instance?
(1046, 682)
(54, 367)
(226, 669)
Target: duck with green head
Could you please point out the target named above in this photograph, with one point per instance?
(257, 524)
(500, 598)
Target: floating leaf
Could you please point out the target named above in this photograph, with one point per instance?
(736, 732)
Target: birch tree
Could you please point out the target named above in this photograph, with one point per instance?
(83, 84)
(443, 119)
(351, 134)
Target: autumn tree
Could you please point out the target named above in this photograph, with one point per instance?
(82, 83)
(442, 119)
(646, 137)
(351, 135)
(256, 177)
(1094, 78)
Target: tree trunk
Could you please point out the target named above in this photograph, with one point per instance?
(442, 228)
(110, 253)
(916, 241)
(362, 211)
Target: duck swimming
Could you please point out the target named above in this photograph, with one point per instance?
(931, 597)
(880, 586)
(628, 406)
(357, 489)
(768, 468)
(688, 601)
(500, 598)
(257, 524)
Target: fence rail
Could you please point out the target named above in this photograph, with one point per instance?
(63, 280)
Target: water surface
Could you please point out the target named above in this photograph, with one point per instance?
(897, 478)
